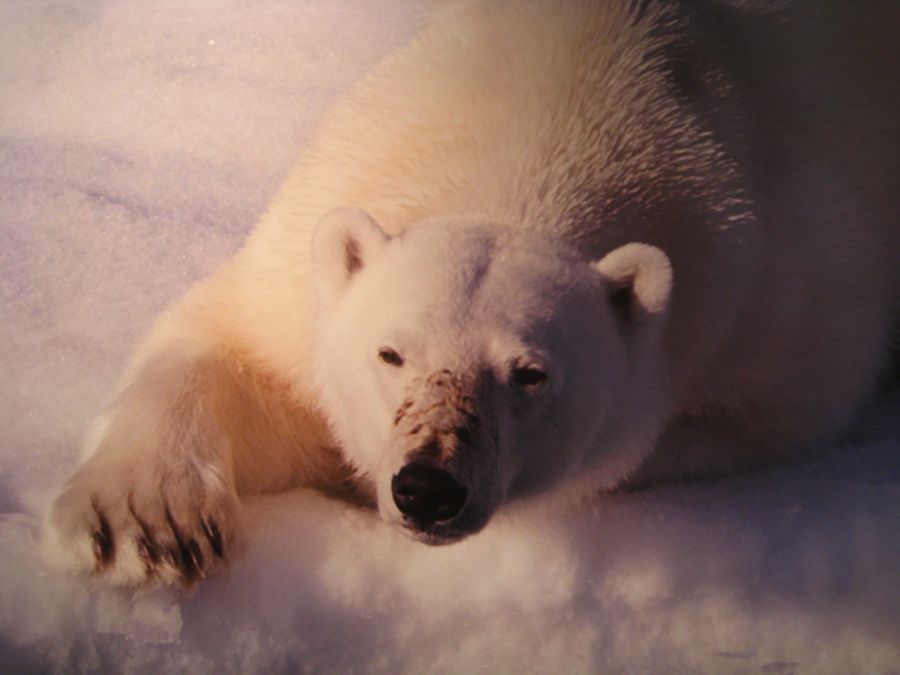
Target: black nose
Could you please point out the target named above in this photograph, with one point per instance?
(427, 493)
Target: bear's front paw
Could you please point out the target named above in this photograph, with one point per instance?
(136, 522)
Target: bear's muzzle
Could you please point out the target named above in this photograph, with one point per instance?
(450, 454)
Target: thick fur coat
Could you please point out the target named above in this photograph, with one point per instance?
(545, 248)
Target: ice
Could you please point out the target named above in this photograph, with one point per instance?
(138, 143)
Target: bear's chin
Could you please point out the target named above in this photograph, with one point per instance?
(432, 538)
(447, 532)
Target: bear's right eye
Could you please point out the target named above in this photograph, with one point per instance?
(390, 357)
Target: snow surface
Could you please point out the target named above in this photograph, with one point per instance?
(138, 142)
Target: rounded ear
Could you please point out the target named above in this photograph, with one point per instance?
(344, 242)
(639, 281)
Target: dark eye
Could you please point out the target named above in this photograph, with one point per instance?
(390, 357)
(528, 376)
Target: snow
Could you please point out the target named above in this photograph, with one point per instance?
(138, 143)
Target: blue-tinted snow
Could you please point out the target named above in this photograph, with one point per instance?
(138, 143)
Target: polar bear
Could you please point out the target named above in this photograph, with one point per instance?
(544, 249)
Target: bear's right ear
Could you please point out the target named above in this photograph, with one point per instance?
(345, 241)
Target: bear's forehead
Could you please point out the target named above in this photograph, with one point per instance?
(468, 258)
(479, 281)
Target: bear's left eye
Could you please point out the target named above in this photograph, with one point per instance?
(390, 356)
(528, 376)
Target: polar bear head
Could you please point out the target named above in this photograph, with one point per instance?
(463, 364)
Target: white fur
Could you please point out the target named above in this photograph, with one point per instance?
(694, 238)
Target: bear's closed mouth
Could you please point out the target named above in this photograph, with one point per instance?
(468, 521)
(432, 533)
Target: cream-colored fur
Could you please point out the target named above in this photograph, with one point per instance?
(729, 167)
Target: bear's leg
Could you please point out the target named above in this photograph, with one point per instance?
(196, 423)
(156, 498)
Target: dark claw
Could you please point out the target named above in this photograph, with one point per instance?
(214, 536)
(102, 547)
(196, 556)
(102, 540)
(148, 552)
(189, 568)
(169, 557)
(186, 557)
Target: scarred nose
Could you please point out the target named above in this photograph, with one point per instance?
(427, 494)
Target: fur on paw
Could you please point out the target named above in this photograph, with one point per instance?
(138, 524)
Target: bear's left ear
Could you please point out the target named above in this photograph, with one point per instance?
(345, 241)
(639, 281)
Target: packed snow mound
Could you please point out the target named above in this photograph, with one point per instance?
(138, 144)
(789, 570)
